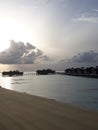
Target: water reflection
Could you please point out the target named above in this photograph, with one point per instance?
(5, 82)
(70, 89)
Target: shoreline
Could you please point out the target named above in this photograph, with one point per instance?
(27, 112)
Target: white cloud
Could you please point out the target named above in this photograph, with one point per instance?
(88, 17)
(20, 53)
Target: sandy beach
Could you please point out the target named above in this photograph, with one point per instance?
(21, 111)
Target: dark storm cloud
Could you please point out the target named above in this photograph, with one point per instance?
(20, 53)
(86, 57)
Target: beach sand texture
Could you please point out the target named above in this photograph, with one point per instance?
(21, 111)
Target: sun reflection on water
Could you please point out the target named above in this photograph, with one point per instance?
(5, 82)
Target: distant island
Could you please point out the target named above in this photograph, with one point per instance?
(85, 72)
(45, 72)
(12, 73)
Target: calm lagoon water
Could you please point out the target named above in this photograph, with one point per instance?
(69, 89)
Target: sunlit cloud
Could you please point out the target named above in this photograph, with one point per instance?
(21, 53)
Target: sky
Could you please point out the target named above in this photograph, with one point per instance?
(49, 33)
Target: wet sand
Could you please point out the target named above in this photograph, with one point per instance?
(21, 111)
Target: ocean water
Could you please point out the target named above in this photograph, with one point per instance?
(78, 91)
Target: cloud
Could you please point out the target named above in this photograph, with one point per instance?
(21, 53)
(96, 10)
(88, 17)
(86, 57)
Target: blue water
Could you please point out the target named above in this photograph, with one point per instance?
(69, 89)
